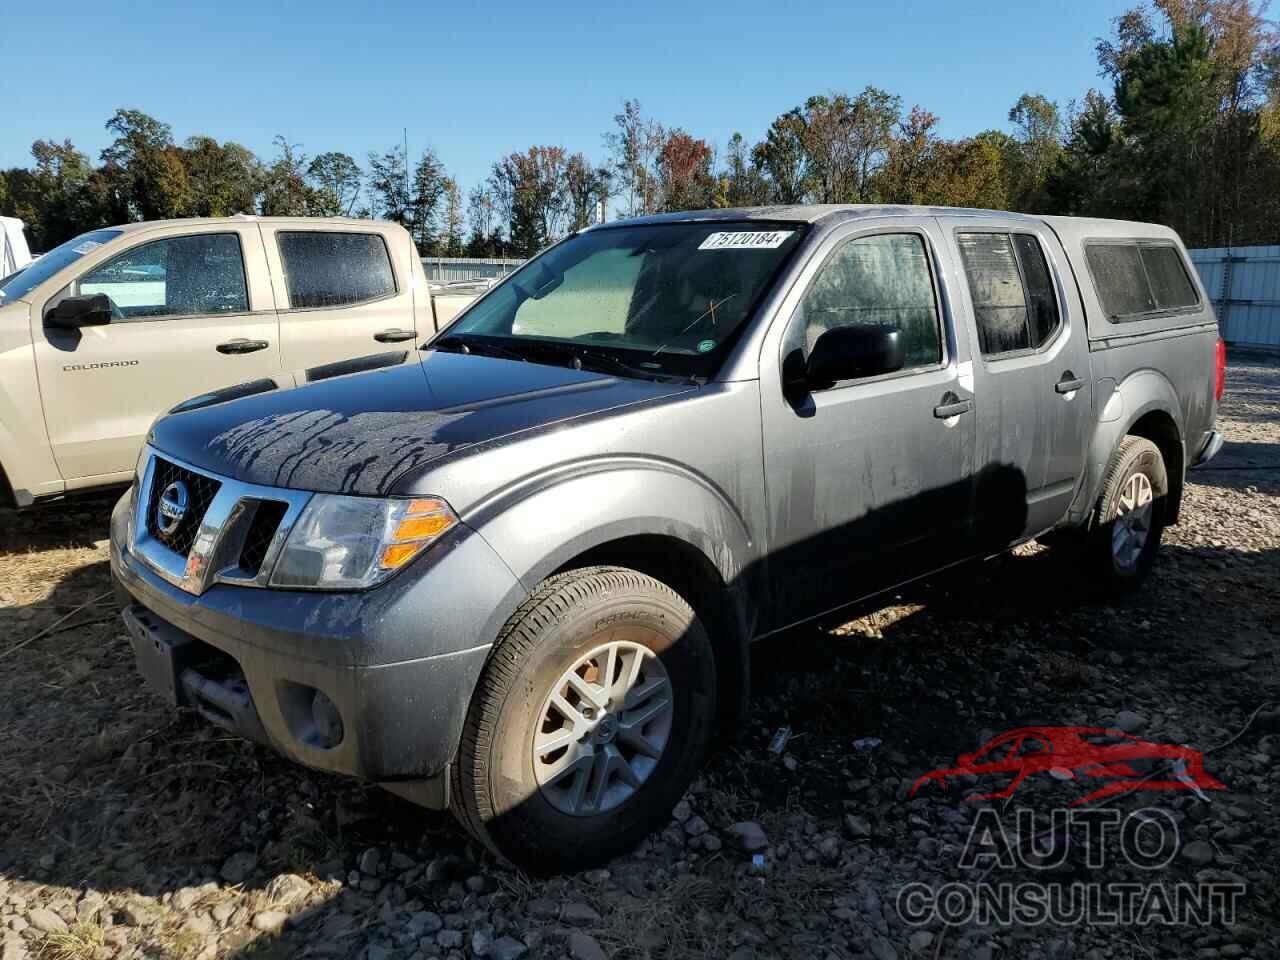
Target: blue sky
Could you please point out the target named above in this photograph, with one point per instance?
(478, 83)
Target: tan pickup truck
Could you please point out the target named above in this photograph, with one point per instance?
(116, 326)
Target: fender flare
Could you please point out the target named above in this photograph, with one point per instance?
(544, 520)
(1141, 393)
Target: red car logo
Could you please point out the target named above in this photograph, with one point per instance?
(1075, 753)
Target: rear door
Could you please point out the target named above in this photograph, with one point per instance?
(342, 292)
(1031, 376)
(192, 312)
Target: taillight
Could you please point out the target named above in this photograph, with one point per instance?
(1220, 369)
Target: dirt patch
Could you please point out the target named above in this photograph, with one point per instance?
(129, 830)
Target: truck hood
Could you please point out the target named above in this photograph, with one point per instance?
(358, 434)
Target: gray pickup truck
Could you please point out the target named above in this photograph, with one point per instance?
(518, 575)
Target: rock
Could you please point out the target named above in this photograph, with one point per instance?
(584, 947)
(89, 907)
(450, 939)
(682, 811)
(401, 861)
(920, 941)
(423, 923)
(200, 923)
(239, 866)
(695, 826)
(858, 828)
(46, 921)
(1199, 853)
(223, 911)
(882, 949)
(270, 921)
(543, 908)
(507, 948)
(1130, 722)
(711, 843)
(580, 914)
(137, 915)
(369, 862)
(480, 943)
(186, 898)
(748, 836)
(13, 950)
(287, 888)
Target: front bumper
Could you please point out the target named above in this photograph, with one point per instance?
(398, 663)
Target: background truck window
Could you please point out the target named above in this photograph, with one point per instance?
(173, 277)
(1012, 291)
(881, 279)
(327, 269)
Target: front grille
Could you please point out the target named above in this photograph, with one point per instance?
(266, 520)
(200, 493)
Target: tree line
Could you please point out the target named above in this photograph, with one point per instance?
(1187, 133)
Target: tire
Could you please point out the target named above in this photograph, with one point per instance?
(1124, 550)
(563, 821)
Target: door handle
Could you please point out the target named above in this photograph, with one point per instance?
(1069, 383)
(241, 345)
(951, 406)
(394, 335)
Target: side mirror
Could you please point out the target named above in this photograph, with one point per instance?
(843, 353)
(72, 313)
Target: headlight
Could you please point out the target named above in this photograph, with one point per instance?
(348, 543)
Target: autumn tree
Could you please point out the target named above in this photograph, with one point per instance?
(144, 170)
(634, 147)
(451, 242)
(336, 178)
(389, 185)
(224, 179)
(684, 173)
(424, 203)
(285, 191)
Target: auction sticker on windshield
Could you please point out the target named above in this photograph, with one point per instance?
(746, 240)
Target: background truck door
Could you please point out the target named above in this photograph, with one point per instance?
(342, 293)
(868, 480)
(1031, 369)
(192, 312)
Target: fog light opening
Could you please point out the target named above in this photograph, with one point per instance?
(326, 720)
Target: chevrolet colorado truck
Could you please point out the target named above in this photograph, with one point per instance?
(518, 575)
(110, 329)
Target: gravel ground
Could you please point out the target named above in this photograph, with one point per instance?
(128, 830)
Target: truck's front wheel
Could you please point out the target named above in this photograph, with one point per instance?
(589, 721)
(1130, 517)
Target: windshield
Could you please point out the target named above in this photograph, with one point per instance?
(22, 282)
(666, 299)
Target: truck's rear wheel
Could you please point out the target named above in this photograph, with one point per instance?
(589, 721)
(1130, 515)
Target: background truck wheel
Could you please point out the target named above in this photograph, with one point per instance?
(1130, 515)
(588, 723)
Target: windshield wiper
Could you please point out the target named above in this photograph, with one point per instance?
(584, 359)
(465, 344)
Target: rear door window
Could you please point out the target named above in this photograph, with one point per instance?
(328, 269)
(1136, 279)
(175, 277)
(1012, 291)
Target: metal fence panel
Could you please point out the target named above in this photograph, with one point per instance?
(453, 269)
(1244, 285)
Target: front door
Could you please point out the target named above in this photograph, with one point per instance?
(342, 294)
(190, 313)
(868, 480)
(1031, 376)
